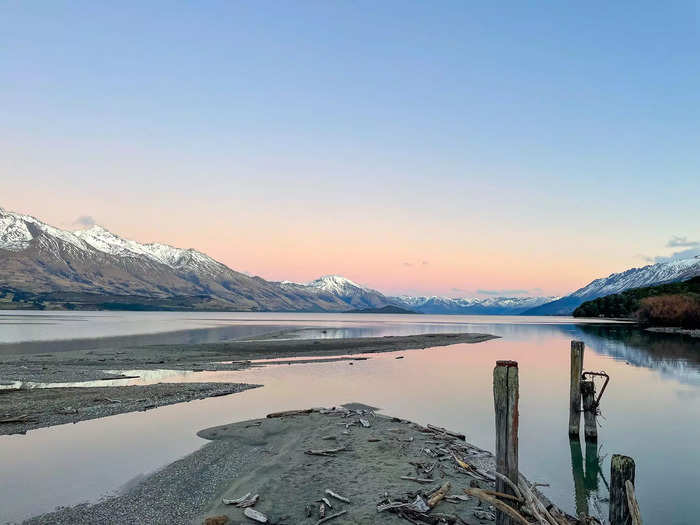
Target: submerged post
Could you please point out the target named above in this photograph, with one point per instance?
(575, 388)
(621, 471)
(590, 429)
(505, 400)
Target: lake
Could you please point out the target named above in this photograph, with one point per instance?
(651, 408)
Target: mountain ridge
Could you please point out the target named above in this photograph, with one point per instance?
(649, 275)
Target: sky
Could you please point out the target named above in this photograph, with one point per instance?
(452, 148)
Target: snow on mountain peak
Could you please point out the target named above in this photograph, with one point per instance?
(16, 235)
(335, 284)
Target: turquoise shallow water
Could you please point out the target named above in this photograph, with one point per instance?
(651, 408)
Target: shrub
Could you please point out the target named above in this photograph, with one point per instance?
(670, 310)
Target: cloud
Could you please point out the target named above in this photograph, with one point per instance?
(692, 249)
(460, 290)
(682, 242)
(85, 220)
(411, 264)
(503, 292)
(675, 256)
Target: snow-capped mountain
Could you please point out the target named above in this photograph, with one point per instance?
(176, 258)
(353, 294)
(45, 266)
(470, 306)
(659, 273)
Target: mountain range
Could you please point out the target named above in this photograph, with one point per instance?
(46, 267)
(652, 274)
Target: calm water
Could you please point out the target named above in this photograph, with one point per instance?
(651, 408)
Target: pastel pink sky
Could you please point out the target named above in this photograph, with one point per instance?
(512, 146)
(383, 240)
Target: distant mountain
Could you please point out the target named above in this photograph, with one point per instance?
(43, 266)
(351, 293)
(388, 309)
(653, 274)
(464, 306)
(46, 267)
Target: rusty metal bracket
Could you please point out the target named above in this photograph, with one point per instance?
(607, 380)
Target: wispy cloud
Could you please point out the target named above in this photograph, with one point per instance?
(503, 292)
(692, 249)
(682, 242)
(409, 264)
(85, 220)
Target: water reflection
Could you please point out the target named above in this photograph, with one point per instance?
(674, 356)
(646, 417)
(588, 499)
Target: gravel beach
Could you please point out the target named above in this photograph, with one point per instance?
(291, 461)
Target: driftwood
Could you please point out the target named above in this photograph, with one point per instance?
(337, 496)
(418, 480)
(290, 413)
(438, 495)
(255, 515)
(235, 501)
(498, 504)
(327, 502)
(249, 502)
(332, 516)
(364, 423)
(324, 452)
(632, 504)
(441, 430)
(25, 418)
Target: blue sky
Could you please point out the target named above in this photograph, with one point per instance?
(296, 138)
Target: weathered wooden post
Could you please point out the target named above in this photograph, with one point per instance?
(621, 471)
(575, 388)
(590, 430)
(505, 399)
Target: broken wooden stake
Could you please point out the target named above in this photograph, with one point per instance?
(632, 504)
(575, 388)
(590, 429)
(505, 397)
(621, 470)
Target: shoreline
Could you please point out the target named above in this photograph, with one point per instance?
(24, 408)
(691, 332)
(292, 458)
(46, 407)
